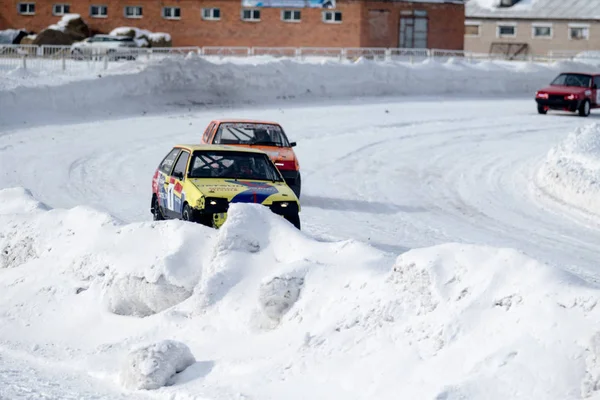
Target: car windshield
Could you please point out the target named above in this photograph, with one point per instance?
(578, 80)
(233, 165)
(251, 133)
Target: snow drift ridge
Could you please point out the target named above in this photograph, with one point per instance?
(194, 81)
(571, 171)
(279, 310)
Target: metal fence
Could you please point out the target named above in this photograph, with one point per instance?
(73, 57)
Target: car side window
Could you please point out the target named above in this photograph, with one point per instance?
(597, 81)
(182, 163)
(207, 132)
(167, 163)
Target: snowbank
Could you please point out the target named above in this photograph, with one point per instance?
(193, 81)
(571, 171)
(276, 314)
(153, 366)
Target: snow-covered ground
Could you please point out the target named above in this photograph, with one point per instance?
(445, 252)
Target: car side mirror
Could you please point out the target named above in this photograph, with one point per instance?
(293, 144)
(178, 175)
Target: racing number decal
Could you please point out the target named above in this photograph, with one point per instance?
(170, 199)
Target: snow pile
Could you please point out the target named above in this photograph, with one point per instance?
(133, 281)
(276, 314)
(153, 366)
(62, 24)
(571, 170)
(194, 81)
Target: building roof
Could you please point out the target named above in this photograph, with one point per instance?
(535, 9)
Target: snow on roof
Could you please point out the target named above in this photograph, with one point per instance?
(534, 9)
(140, 33)
(64, 21)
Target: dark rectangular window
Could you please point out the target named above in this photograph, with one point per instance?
(26, 8)
(98, 11)
(171, 12)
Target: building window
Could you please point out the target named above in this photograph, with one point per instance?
(171, 13)
(472, 28)
(98, 11)
(133, 11)
(211, 14)
(579, 32)
(542, 31)
(332, 17)
(506, 30)
(290, 15)
(60, 9)
(26, 8)
(250, 15)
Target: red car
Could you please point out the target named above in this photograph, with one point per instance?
(570, 91)
(263, 135)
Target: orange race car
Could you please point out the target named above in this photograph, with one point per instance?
(263, 135)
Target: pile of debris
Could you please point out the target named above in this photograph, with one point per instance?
(72, 28)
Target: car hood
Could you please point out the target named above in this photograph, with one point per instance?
(563, 90)
(244, 190)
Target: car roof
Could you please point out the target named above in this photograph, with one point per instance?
(245, 121)
(217, 147)
(580, 73)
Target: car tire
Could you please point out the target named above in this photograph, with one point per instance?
(584, 109)
(297, 187)
(294, 220)
(187, 214)
(541, 109)
(157, 214)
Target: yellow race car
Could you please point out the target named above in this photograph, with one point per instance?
(198, 182)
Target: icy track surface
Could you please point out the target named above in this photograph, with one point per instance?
(87, 301)
(396, 175)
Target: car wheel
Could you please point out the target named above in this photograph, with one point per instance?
(186, 214)
(294, 220)
(541, 109)
(156, 212)
(584, 110)
(296, 188)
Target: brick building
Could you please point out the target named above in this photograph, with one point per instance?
(304, 23)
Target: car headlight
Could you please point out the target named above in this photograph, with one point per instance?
(284, 207)
(216, 204)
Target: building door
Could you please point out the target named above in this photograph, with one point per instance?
(413, 30)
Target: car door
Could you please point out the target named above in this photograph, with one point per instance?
(175, 187)
(163, 180)
(596, 91)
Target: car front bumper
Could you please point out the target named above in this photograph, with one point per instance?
(559, 104)
(217, 213)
